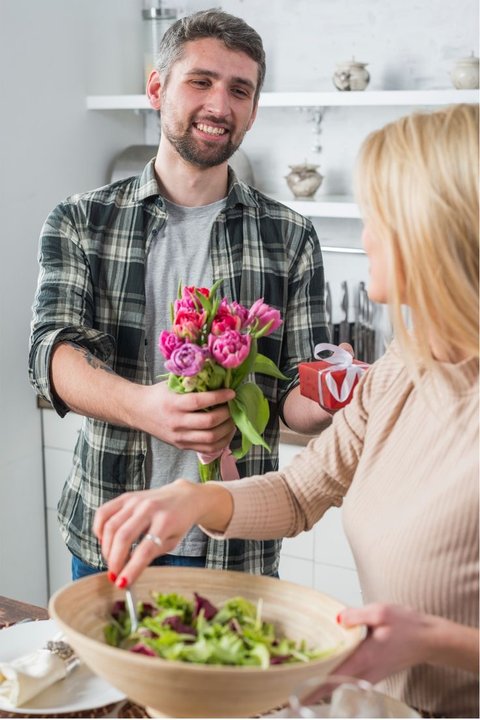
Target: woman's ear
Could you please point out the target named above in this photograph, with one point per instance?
(154, 88)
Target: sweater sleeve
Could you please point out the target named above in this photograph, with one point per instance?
(285, 503)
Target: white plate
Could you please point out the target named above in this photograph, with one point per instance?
(82, 690)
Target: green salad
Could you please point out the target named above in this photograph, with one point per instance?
(195, 631)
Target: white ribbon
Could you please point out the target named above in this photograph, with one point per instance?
(339, 360)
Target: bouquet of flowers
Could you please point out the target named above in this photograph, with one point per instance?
(213, 344)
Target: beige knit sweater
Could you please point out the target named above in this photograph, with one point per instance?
(408, 457)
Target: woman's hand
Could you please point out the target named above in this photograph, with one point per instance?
(166, 513)
(399, 638)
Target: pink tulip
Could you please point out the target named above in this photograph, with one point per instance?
(230, 316)
(189, 300)
(229, 349)
(262, 317)
(168, 342)
(188, 324)
(186, 360)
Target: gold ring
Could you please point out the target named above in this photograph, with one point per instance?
(155, 539)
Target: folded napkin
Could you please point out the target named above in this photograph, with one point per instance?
(27, 676)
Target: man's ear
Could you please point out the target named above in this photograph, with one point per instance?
(154, 90)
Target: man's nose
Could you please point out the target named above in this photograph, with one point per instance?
(218, 101)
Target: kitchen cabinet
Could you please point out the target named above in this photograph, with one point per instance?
(320, 558)
(59, 438)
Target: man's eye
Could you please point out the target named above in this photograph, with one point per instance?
(199, 83)
(241, 92)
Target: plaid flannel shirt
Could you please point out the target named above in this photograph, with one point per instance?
(91, 292)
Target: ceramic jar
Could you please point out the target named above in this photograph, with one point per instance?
(351, 75)
(465, 73)
(304, 180)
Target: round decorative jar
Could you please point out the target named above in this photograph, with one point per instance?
(465, 73)
(304, 180)
(351, 75)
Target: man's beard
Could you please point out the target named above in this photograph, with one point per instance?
(201, 154)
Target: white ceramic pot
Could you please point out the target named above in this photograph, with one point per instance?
(351, 75)
(465, 73)
(304, 180)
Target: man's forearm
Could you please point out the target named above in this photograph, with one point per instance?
(304, 415)
(89, 386)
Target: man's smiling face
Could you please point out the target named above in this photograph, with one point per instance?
(208, 102)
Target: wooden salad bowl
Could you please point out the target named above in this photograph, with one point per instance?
(180, 689)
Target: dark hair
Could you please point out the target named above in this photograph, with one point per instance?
(213, 23)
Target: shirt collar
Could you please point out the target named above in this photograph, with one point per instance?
(239, 193)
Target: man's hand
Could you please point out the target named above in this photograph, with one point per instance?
(302, 414)
(190, 421)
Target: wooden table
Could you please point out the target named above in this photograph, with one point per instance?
(14, 611)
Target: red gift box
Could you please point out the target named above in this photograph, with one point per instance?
(331, 381)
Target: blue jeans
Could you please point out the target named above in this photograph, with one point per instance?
(81, 569)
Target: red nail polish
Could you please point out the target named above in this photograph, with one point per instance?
(122, 582)
(339, 618)
(111, 576)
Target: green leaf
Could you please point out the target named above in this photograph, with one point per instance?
(255, 404)
(266, 366)
(250, 413)
(215, 287)
(175, 383)
(204, 302)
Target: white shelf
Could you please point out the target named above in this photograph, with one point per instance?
(331, 206)
(312, 99)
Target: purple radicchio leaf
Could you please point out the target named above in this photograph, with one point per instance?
(142, 649)
(201, 603)
(148, 610)
(118, 609)
(176, 624)
(279, 659)
(145, 632)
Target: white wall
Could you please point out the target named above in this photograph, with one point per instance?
(50, 147)
(53, 53)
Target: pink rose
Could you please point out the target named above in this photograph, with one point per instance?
(263, 319)
(188, 324)
(186, 360)
(229, 349)
(168, 342)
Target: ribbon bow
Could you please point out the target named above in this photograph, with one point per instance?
(339, 360)
(228, 464)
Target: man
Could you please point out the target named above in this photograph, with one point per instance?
(111, 261)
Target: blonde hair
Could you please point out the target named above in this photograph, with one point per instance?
(417, 185)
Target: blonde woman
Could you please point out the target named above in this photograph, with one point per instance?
(402, 458)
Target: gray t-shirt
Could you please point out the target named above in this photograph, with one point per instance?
(179, 253)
